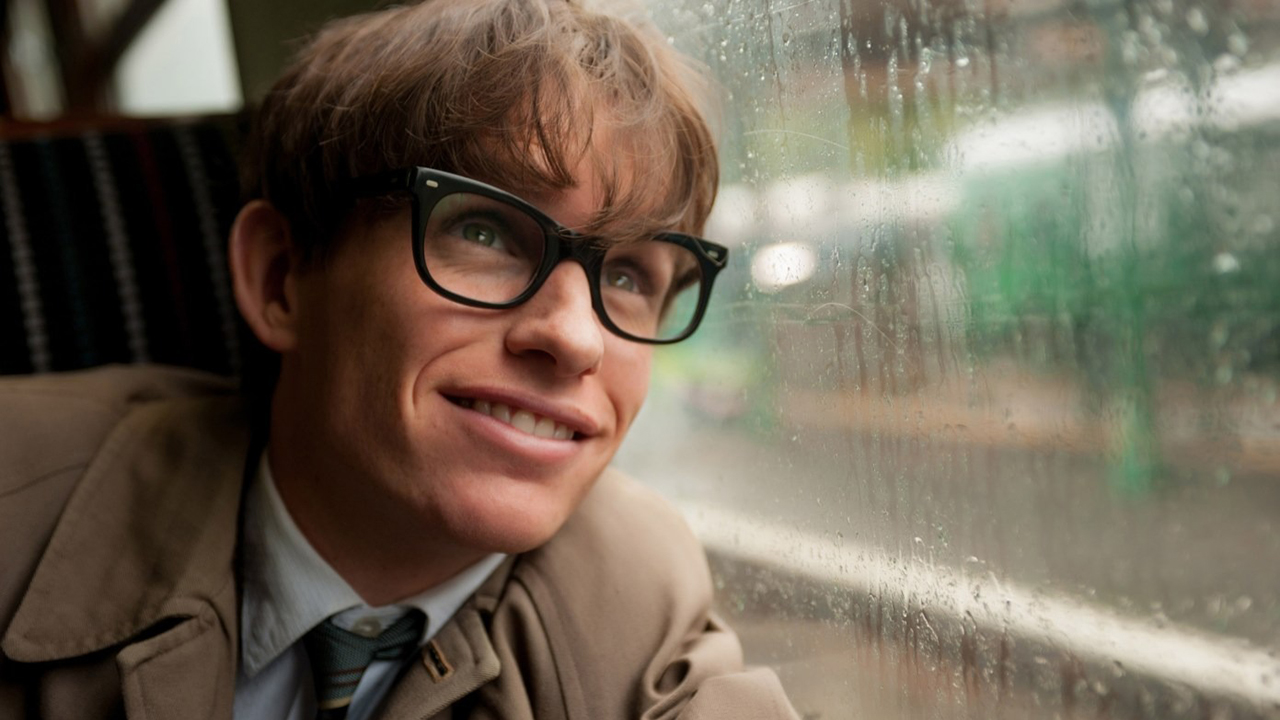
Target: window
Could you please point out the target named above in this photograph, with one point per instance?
(984, 421)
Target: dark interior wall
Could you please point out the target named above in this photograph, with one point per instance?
(268, 33)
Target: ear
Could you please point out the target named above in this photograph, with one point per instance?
(264, 265)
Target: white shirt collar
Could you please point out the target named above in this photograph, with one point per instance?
(289, 588)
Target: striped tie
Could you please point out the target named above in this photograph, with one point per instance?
(339, 658)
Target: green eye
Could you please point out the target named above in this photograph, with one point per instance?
(620, 279)
(480, 234)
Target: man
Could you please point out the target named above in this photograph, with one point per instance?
(471, 223)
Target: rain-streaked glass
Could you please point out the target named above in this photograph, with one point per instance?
(984, 421)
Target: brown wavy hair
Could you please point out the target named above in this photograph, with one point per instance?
(513, 92)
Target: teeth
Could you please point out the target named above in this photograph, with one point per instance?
(522, 420)
(545, 428)
(502, 412)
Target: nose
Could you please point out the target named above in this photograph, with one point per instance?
(558, 323)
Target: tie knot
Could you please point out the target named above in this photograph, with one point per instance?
(339, 657)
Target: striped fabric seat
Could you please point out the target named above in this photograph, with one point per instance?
(112, 245)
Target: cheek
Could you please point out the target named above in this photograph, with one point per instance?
(357, 340)
(376, 317)
(628, 380)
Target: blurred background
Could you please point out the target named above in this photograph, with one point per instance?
(984, 421)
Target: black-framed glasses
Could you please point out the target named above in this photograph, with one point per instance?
(484, 247)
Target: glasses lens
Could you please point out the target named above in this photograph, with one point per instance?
(651, 288)
(481, 248)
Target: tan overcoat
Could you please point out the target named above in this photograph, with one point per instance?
(120, 495)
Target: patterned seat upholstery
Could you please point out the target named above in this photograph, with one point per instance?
(112, 245)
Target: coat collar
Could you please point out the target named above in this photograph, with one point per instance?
(148, 535)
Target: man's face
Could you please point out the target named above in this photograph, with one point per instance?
(486, 427)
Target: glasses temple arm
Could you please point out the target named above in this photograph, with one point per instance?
(381, 184)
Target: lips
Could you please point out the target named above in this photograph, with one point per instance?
(521, 419)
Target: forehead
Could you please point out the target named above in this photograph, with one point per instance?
(619, 201)
(575, 207)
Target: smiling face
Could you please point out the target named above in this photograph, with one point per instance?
(476, 429)
(389, 428)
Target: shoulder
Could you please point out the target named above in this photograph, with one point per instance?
(52, 427)
(612, 618)
(625, 544)
(613, 615)
(53, 422)
(114, 385)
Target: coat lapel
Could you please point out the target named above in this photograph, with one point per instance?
(144, 554)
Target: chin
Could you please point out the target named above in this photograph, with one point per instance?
(509, 524)
(507, 537)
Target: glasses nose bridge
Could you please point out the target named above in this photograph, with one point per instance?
(577, 248)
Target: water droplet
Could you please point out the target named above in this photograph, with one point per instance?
(1238, 44)
(962, 62)
(1225, 262)
(1197, 21)
(1223, 374)
(1222, 476)
(1214, 605)
(1130, 47)
(1226, 63)
(1218, 335)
